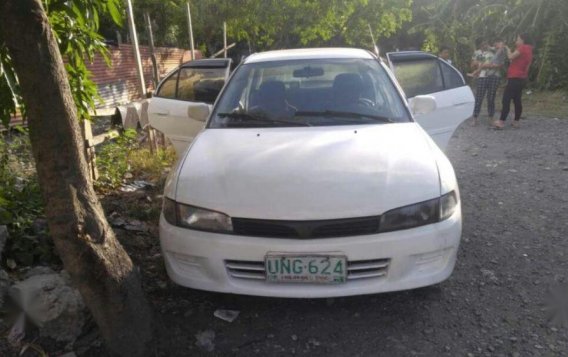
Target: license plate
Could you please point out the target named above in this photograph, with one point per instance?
(312, 269)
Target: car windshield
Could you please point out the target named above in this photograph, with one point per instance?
(315, 92)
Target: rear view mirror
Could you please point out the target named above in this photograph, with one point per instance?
(422, 104)
(199, 111)
(308, 72)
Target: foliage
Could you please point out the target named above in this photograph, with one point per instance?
(272, 24)
(458, 23)
(112, 160)
(21, 203)
(75, 24)
(119, 159)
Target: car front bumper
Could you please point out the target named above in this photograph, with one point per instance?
(409, 258)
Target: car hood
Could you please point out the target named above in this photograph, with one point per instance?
(309, 173)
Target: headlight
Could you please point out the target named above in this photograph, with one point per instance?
(195, 218)
(419, 214)
(448, 204)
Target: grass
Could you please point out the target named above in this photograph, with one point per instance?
(551, 104)
(538, 103)
(151, 166)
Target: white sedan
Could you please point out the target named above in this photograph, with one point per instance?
(311, 177)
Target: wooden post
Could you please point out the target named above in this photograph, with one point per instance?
(134, 39)
(190, 32)
(224, 39)
(155, 76)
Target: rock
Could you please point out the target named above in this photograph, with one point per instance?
(52, 305)
(3, 238)
(38, 270)
(205, 340)
(490, 275)
(226, 315)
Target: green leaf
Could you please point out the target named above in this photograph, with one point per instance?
(113, 9)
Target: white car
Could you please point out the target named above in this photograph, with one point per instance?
(311, 177)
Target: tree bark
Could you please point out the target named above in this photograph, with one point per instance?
(101, 269)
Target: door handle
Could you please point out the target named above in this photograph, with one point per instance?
(162, 114)
(460, 104)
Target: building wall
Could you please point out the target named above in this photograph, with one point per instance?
(118, 84)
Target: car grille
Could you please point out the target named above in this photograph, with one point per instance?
(358, 269)
(306, 229)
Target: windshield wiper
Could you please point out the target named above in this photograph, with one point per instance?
(261, 119)
(342, 114)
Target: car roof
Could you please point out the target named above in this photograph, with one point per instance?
(309, 53)
(208, 62)
(409, 55)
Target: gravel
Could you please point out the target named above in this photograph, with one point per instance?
(514, 189)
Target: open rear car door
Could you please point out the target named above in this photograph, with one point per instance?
(192, 84)
(420, 73)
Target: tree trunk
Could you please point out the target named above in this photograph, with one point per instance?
(98, 265)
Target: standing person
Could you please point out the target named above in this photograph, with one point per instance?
(490, 76)
(480, 58)
(444, 54)
(517, 75)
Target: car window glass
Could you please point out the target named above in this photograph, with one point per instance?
(168, 87)
(200, 84)
(419, 77)
(452, 79)
(279, 89)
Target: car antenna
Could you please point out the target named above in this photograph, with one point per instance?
(375, 47)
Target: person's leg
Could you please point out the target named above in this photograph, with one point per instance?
(492, 85)
(479, 94)
(506, 103)
(517, 99)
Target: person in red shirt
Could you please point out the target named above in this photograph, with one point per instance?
(517, 75)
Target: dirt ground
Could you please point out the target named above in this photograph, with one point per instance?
(499, 301)
(505, 297)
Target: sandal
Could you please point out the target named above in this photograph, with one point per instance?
(515, 124)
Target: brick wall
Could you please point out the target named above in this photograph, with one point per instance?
(118, 84)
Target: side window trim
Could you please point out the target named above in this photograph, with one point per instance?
(177, 97)
(174, 73)
(454, 71)
(444, 85)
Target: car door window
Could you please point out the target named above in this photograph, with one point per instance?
(168, 87)
(419, 77)
(452, 78)
(200, 84)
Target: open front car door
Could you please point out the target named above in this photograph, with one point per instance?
(421, 73)
(193, 84)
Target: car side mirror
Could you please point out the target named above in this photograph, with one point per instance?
(422, 104)
(199, 111)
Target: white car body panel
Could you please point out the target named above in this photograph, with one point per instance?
(170, 117)
(309, 172)
(453, 107)
(418, 257)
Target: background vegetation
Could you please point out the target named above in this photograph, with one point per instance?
(258, 25)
